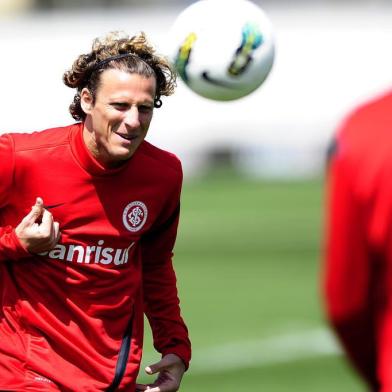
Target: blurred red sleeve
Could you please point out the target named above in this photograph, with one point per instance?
(347, 276)
(161, 302)
(10, 247)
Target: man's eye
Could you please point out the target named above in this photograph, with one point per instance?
(120, 105)
(145, 109)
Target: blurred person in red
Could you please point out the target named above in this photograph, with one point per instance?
(358, 274)
(80, 268)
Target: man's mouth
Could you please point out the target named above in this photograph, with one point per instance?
(126, 136)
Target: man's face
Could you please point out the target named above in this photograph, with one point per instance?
(118, 122)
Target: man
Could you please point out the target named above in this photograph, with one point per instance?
(358, 278)
(80, 267)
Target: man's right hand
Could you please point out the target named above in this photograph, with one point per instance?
(38, 232)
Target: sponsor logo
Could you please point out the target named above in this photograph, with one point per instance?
(96, 254)
(135, 216)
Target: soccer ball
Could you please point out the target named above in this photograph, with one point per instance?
(222, 49)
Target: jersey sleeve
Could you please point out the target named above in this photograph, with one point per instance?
(10, 247)
(161, 302)
(347, 275)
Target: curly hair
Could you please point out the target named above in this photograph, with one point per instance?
(139, 57)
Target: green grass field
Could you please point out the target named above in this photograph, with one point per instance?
(248, 262)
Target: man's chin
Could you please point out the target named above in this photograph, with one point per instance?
(124, 155)
(118, 158)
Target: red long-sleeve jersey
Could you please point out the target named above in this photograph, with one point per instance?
(69, 316)
(358, 275)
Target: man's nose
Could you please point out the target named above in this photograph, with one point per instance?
(132, 117)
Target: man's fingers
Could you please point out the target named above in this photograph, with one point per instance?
(36, 211)
(152, 369)
(149, 388)
(157, 367)
(57, 233)
(46, 227)
(50, 229)
(47, 218)
(38, 207)
(38, 232)
(170, 369)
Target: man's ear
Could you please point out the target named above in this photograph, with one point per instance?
(86, 101)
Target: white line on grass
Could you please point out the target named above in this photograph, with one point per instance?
(256, 353)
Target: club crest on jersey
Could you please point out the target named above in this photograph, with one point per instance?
(135, 216)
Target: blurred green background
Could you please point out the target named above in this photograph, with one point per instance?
(248, 263)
